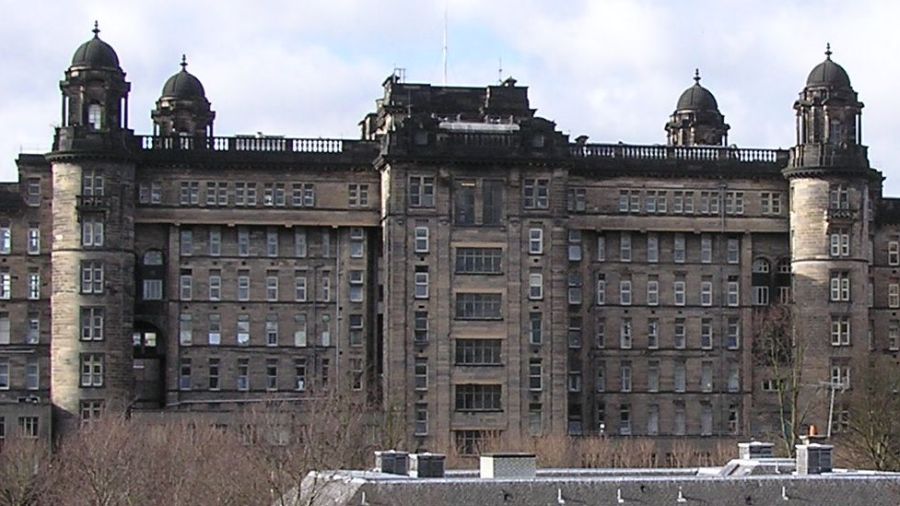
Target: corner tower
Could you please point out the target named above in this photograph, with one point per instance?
(697, 120)
(182, 109)
(830, 218)
(93, 240)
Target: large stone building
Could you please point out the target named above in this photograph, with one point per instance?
(463, 262)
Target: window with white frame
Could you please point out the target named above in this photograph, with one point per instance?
(214, 329)
(421, 191)
(601, 247)
(186, 242)
(894, 335)
(679, 376)
(625, 292)
(34, 240)
(185, 329)
(894, 295)
(734, 202)
(625, 377)
(243, 374)
(271, 329)
(33, 330)
(574, 292)
(625, 246)
(421, 239)
(535, 375)
(706, 376)
(91, 370)
(574, 245)
(5, 240)
(186, 284)
(536, 193)
(421, 282)
(272, 242)
(215, 285)
(356, 329)
(215, 241)
(770, 203)
(706, 288)
(652, 290)
(601, 289)
(733, 333)
(535, 241)
(840, 330)
(840, 287)
(734, 291)
(243, 285)
(706, 333)
(356, 285)
(652, 248)
(706, 248)
(535, 328)
(92, 323)
(653, 376)
(300, 242)
(679, 252)
(839, 240)
(625, 336)
(653, 333)
(300, 339)
(300, 286)
(840, 376)
(535, 286)
(92, 231)
(242, 333)
(894, 253)
(91, 277)
(678, 290)
(679, 334)
(272, 286)
(357, 242)
(734, 250)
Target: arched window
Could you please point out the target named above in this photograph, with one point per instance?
(95, 116)
(784, 266)
(761, 265)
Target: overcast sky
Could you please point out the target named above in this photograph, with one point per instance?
(607, 69)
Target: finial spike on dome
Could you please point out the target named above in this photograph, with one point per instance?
(828, 50)
(183, 62)
(697, 76)
(96, 29)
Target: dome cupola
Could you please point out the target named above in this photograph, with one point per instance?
(182, 109)
(183, 85)
(95, 54)
(697, 120)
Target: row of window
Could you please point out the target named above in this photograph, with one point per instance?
(33, 240)
(706, 330)
(31, 330)
(298, 381)
(683, 202)
(243, 288)
(247, 194)
(32, 284)
(245, 248)
(625, 292)
(32, 374)
(469, 306)
(272, 330)
(677, 418)
(28, 426)
(678, 245)
(651, 382)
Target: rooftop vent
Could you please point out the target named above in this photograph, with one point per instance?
(426, 465)
(755, 450)
(814, 458)
(392, 462)
(507, 465)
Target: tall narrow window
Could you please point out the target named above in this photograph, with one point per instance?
(421, 282)
(421, 239)
(34, 240)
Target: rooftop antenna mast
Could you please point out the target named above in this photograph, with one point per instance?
(444, 51)
(500, 70)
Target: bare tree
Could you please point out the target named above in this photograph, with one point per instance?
(23, 472)
(775, 349)
(873, 437)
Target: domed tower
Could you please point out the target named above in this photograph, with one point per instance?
(697, 120)
(829, 178)
(93, 240)
(182, 109)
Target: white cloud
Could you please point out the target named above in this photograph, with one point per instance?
(609, 69)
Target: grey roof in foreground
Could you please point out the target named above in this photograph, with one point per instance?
(601, 487)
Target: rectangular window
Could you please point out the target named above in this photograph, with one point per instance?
(92, 231)
(5, 284)
(215, 241)
(32, 374)
(839, 197)
(272, 242)
(421, 240)
(421, 191)
(733, 334)
(840, 331)
(33, 191)
(300, 286)
(325, 287)
(706, 287)
(34, 284)
(300, 243)
(760, 295)
(574, 292)
(420, 327)
(600, 333)
(678, 424)
(243, 330)
(635, 201)
(535, 241)
(601, 289)
(29, 427)
(706, 334)
(839, 240)
(184, 374)
(600, 378)
(421, 282)
(464, 202)
(271, 374)
(679, 250)
(536, 194)
(271, 329)
(492, 202)
(91, 184)
(186, 242)
(653, 376)
(214, 334)
(624, 420)
(574, 380)
(893, 252)
(678, 290)
(734, 250)
(680, 376)
(625, 292)
(625, 377)
(91, 323)
(356, 329)
(601, 247)
(421, 373)
(734, 202)
(478, 306)
(91, 370)
(300, 339)
(186, 284)
(5, 240)
(706, 376)
(214, 364)
(243, 241)
(535, 286)
(652, 248)
(734, 377)
(272, 286)
(32, 332)
(893, 335)
(185, 329)
(243, 374)
(576, 200)
(653, 333)
(4, 373)
(215, 285)
(840, 286)
(478, 397)
(535, 328)
(706, 249)
(625, 246)
(358, 195)
(243, 285)
(625, 335)
(478, 351)
(840, 376)
(734, 291)
(574, 332)
(893, 295)
(91, 277)
(356, 285)
(652, 419)
(34, 240)
(652, 290)
(300, 374)
(478, 260)
(535, 375)
(680, 334)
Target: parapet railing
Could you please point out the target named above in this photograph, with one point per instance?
(691, 153)
(241, 143)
